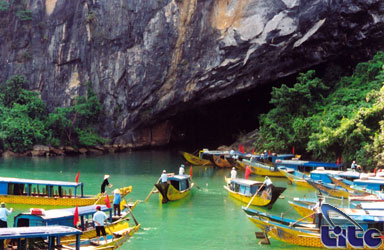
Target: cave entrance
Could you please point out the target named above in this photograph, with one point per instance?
(221, 122)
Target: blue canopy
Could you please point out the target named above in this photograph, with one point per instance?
(40, 182)
(33, 232)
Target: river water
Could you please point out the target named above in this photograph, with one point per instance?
(206, 219)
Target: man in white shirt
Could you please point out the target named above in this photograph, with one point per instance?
(4, 215)
(181, 170)
(233, 173)
(99, 217)
(164, 177)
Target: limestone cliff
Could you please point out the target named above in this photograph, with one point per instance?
(150, 59)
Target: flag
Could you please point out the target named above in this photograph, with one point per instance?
(77, 177)
(190, 171)
(107, 202)
(337, 161)
(253, 151)
(293, 150)
(76, 216)
(269, 152)
(241, 148)
(247, 172)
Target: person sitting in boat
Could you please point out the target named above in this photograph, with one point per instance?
(99, 217)
(265, 155)
(181, 170)
(4, 215)
(116, 202)
(353, 166)
(164, 177)
(105, 184)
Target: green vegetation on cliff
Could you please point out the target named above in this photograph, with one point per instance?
(330, 120)
(25, 120)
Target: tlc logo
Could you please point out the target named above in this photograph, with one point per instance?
(354, 236)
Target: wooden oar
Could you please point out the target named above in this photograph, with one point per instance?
(133, 217)
(255, 195)
(291, 225)
(152, 190)
(101, 196)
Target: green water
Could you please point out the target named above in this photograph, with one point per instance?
(206, 219)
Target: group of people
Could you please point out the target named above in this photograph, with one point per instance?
(164, 175)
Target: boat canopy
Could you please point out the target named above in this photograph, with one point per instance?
(63, 216)
(178, 177)
(18, 186)
(40, 182)
(306, 165)
(33, 232)
(245, 182)
(21, 234)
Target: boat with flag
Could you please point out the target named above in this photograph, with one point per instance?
(253, 192)
(80, 217)
(45, 192)
(176, 188)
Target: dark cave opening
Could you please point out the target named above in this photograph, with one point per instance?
(222, 122)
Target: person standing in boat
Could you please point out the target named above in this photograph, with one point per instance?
(164, 177)
(353, 166)
(4, 215)
(99, 217)
(181, 170)
(233, 173)
(105, 184)
(116, 202)
(317, 213)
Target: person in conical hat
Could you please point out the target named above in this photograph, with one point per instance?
(105, 183)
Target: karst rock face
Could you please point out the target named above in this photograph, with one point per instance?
(150, 59)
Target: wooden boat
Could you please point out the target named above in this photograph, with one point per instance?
(196, 160)
(261, 169)
(28, 236)
(295, 177)
(306, 166)
(297, 232)
(177, 187)
(65, 217)
(334, 190)
(245, 190)
(221, 162)
(114, 240)
(42, 192)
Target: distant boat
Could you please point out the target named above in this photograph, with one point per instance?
(244, 190)
(177, 187)
(295, 177)
(196, 160)
(43, 192)
(221, 161)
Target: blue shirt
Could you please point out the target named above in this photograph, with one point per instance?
(117, 199)
(100, 217)
(4, 214)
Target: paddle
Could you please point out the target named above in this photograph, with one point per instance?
(255, 195)
(101, 196)
(133, 217)
(292, 224)
(152, 190)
